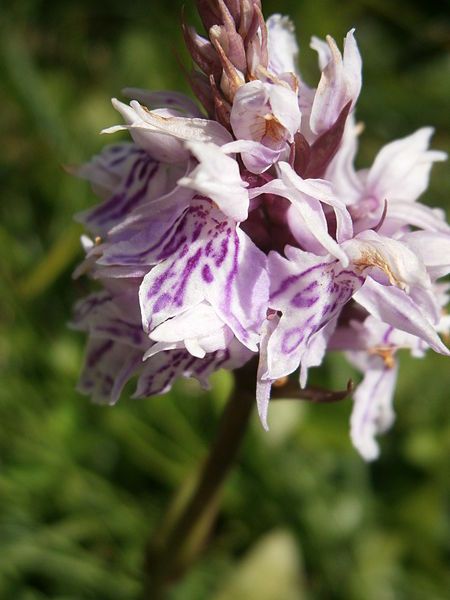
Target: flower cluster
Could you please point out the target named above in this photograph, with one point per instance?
(243, 229)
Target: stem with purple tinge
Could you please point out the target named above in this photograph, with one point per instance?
(164, 559)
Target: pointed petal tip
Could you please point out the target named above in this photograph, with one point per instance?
(263, 418)
(369, 455)
(113, 129)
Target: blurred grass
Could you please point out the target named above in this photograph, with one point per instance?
(81, 486)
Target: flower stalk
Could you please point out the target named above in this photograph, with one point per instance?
(171, 551)
(175, 546)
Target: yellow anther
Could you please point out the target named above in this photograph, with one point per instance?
(386, 354)
(278, 383)
(372, 258)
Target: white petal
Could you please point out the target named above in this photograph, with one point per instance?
(372, 411)
(433, 248)
(402, 266)
(161, 133)
(264, 385)
(401, 169)
(340, 82)
(283, 48)
(163, 99)
(416, 214)
(218, 177)
(393, 306)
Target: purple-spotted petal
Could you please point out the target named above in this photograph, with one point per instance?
(309, 291)
(108, 366)
(128, 177)
(205, 257)
(315, 350)
(141, 239)
(160, 371)
(105, 171)
(113, 318)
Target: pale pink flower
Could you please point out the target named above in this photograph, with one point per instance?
(242, 230)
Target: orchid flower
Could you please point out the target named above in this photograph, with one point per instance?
(238, 228)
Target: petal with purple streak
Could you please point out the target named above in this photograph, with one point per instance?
(108, 317)
(309, 291)
(205, 257)
(161, 370)
(106, 170)
(108, 366)
(126, 177)
(315, 350)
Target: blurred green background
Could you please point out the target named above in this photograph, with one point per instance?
(82, 486)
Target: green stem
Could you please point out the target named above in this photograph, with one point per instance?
(165, 559)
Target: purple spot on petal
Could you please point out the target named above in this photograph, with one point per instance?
(158, 283)
(190, 267)
(208, 248)
(311, 286)
(302, 301)
(207, 275)
(292, 340)
(223, 252)
(161, 303)
(197, 231)
(387, 335)
(184, 251)
(95, 356)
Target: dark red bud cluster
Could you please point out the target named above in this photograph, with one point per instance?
(235, 47)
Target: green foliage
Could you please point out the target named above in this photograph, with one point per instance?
(81, 486)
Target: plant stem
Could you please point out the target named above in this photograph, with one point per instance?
(164, 559)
